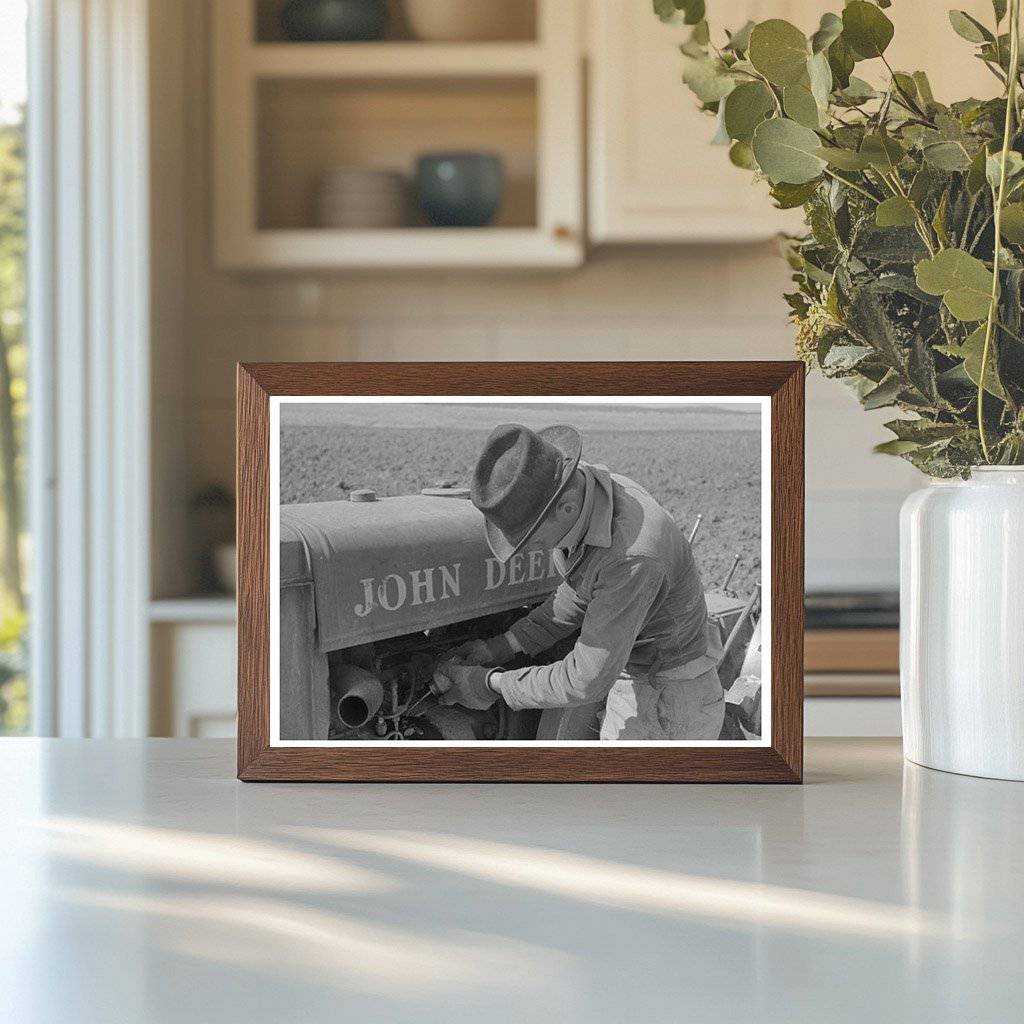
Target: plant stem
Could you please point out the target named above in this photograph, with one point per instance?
(853, 185)
(907, 99)
(771, 91)
(1012, 334)
(980, 232)
(1011, 108)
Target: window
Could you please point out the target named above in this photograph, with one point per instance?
(14, 691)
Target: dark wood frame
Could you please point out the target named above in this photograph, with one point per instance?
(780, 762)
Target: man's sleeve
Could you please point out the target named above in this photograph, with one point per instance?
(561, 614)
(623, 595)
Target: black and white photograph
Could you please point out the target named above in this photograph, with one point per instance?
(460, 570)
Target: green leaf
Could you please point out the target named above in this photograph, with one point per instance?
(857, 91)
(801, 106)
(841, 63)
(787, 151)
(999, 9)
(788, 196)
(693, 10)
(921, 370)
(739, 41)
(721, 136)
(843, 358)
(939, 220)
(889, 245)
(829, 30)
(745, 108)
(993, 167)
(868, 318)
(844, 159)
(895, 212)
(866, 29)
(741, 155)
(779, 51)
(883, 152)
(969, 28)
(819, 74)
(923, 431)
(1012, 224)
(666, 10)
(885, 394)
(922, 185)
(971, 352)
(906, 84)
(976, 173)
(924, 88)
(895, 447)
(690, 12)
(947, 156)
(707, 78)
(701, 34)
(963, 281)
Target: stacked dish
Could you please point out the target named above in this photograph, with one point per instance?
(362, 197)
(470, 20)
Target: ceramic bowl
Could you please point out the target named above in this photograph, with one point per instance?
(470, 20)
(460, 189)
(333, 21)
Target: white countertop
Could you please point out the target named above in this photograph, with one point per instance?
(140, 882)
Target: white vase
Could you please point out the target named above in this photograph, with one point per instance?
(962, 624)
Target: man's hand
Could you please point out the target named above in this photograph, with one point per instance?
(464, 684)
(495, 651)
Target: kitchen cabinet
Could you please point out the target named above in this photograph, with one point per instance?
(654, 177)
(287, 114)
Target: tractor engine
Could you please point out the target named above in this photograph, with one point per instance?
(374, 592)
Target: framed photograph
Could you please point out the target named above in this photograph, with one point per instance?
(520, 572)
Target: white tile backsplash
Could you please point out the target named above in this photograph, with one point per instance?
(714, 303)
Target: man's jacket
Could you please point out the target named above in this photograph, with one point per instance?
(632, 589)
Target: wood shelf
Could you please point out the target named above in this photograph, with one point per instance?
(393, 60)
(852, 650)
(320, 248)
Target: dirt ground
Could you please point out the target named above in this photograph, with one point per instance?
(697, 460)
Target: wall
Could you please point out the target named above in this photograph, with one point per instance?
(651, 303)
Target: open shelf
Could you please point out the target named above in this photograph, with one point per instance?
(392, 60)
(308, 127)
(286, 114)
(520, 22)
(406, 248)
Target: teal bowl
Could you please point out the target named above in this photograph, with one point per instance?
(334, 21)
(460, 189)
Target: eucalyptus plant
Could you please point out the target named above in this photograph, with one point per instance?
(910, 277)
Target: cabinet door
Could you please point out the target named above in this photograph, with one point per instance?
(653, 174)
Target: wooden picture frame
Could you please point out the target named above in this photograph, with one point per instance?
(779, 760)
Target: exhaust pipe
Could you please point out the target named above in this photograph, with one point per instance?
(360, 695)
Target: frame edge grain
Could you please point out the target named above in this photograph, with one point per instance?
(252, 521)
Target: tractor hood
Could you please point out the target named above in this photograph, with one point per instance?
(384, 568)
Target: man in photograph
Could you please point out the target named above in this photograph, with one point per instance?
(629, 585)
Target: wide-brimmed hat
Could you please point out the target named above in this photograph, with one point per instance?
(518, 478)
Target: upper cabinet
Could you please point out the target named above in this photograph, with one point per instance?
(316, 144)
(654, 176)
